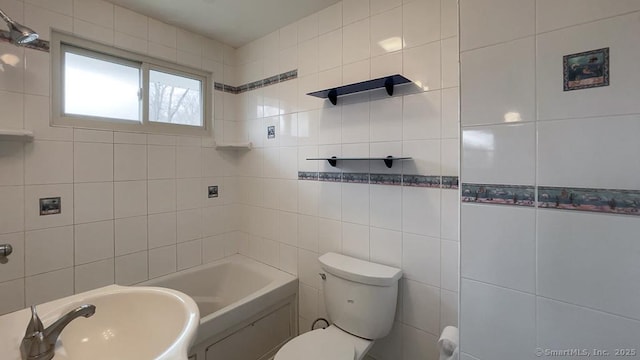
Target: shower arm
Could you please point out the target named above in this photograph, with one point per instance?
(6, 18)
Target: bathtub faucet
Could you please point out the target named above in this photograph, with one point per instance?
(40, 343)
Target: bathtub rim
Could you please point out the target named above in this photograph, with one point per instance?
(282, 285)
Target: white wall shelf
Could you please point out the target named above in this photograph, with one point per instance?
(16, 135)
(234, 146)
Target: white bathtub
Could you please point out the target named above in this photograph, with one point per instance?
(240, 301)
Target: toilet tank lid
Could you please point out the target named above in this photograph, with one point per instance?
(358, 270)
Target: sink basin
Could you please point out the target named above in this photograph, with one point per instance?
(129, 323)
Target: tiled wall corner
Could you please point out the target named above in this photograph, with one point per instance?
(134, 206)
(549, 213)
(406, 216)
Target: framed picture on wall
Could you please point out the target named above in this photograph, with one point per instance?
(587, 69)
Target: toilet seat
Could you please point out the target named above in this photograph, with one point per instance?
(319, 344)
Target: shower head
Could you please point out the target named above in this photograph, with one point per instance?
(19, 34)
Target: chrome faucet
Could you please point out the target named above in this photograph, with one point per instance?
(40, 343)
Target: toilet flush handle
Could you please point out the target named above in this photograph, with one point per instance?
(323, 276)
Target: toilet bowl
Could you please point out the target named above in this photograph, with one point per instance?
(361, 299)
(331, 343)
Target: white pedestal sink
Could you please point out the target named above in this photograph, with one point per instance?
(130, 323)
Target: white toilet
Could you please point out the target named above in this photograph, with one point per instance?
(361, 302)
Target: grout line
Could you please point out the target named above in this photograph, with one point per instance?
(498, 43)
(589, 117)
(113, 184)
(536, 188)
(73, 221)
(24, 215)
(175, 211)
(583, 23)
(586, 307)
(147, 212)
(522, 292)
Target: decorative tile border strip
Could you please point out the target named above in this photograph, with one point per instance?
(272, 80)
(450, 182)
(610, 201)
(421, 181)
(385, 179)
(305, 175)
(330, 176)
(355, 178)
(519, 195)
(444, 182)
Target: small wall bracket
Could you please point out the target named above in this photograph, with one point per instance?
(333, 96)
(388, 85)
(389, 160)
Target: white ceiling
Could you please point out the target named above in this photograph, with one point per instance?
(234, 22)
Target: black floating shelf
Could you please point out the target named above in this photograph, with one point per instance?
(333, 161)
(387, 82)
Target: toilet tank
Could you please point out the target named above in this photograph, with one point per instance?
(360, 296)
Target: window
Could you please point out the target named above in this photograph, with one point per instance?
(174, 99)
(98, 86)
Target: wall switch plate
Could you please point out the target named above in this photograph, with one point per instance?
(213, 192)
(271, 132)
(50, 206)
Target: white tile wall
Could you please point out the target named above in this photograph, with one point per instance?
(550, 16)
(93, 202)
(605, 250)
(12, 295)
(421, 306)
(132, 268)
(48, 250)
(12, 209)
(502, 154)
(577, 156)
(505, 257)
(94, 275)
(120, 191)
(93, 162)
(49, 286)
(93, 242)
(498, 83)
(615, 33)
(386, 32)
(491, 315)
(540, 278)
(421, 22)
(488, 22)
(130, 235)
(48, 162)
(130, 161)
(162, 261)
(562, 325)
(151, 189)
(356, 240)
(404, 227)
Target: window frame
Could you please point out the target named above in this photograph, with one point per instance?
(60, 42)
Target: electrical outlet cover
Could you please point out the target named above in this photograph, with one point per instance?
(213, 192)
(50, 206)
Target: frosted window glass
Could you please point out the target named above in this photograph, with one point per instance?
(100, 88)
(174, 99)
